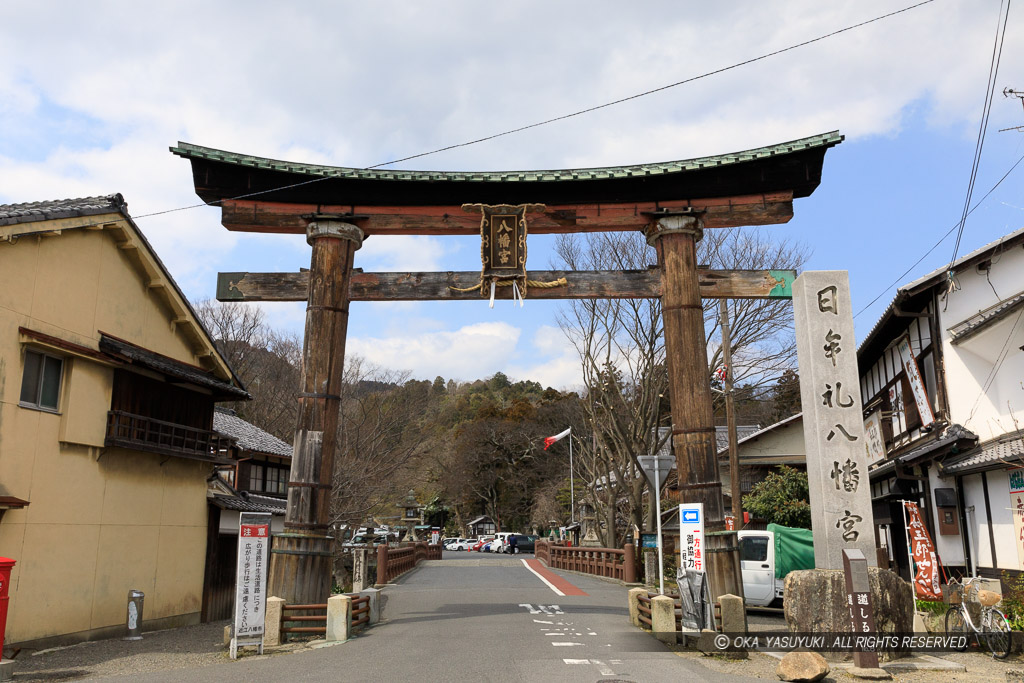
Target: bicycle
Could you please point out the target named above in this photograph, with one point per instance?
(992, 626)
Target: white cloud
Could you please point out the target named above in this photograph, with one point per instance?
(401, 253)
(87, 110)
(468, 353)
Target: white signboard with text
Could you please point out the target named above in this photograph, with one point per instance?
(874, 442)
(251, 580)
(924, 409)
(691, 536)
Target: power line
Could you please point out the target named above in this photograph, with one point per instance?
(941, 239)
(557, 118)
(994, 372)
(655, 90)
(993, 71)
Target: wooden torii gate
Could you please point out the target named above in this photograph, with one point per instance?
(671, 202)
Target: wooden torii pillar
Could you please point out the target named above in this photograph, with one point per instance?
(302, 557)
(672, 202)
(675, 238)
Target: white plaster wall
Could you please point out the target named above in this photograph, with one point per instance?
(969, 364)
(1002, 519)
(977, 526)
(949, 548)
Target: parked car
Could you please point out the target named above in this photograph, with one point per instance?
(460, 544)
(498, 544)
(524, 543)
(481, 542)
(766, 557)
(360, 540)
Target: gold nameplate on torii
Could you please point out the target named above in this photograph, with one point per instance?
(503, 232)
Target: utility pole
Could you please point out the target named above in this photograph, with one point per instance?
(730, 418)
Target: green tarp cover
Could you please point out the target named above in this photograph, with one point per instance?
(794, 549)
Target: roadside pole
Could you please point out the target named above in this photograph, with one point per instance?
(661, 546)
(656, 469)
(572, 483)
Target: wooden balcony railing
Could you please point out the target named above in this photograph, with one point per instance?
(142, 433)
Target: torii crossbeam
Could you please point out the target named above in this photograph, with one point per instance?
(671, 202)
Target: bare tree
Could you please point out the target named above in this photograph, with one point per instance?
(620, 343)
(761, 330)
(621, 348)
(377, 439)
(267, 362)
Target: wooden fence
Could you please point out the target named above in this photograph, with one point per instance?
(393, 562)
(611, 563)
(644, 609)
(316, 624)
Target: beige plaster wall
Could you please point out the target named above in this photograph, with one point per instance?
(785, 440)
(100, 522)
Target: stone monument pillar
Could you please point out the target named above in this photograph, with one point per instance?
(837, 468)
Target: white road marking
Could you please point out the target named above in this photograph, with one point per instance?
(551, 609)
(591, 633)
(541, 621)
(533, 610)
(576, 661)
(546, 582)
(567, 644)
(603, 668)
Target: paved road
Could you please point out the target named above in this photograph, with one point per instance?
(472, 617)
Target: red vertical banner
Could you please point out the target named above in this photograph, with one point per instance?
(926, 580)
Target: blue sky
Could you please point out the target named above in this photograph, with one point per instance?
(90, 104)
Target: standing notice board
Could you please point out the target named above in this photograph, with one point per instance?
(251, 580)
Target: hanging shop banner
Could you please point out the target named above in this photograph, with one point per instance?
(1017, 510)
(874, 443)
(924, 409)
(251, 580)
(691, 536)
(926, 580)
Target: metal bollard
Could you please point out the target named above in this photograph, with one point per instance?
(135, 600)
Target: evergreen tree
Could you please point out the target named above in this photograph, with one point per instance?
(782, 498)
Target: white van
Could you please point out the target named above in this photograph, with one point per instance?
(761, 566)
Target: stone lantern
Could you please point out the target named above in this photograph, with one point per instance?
(410, 515)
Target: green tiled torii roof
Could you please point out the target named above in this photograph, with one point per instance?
(196, 152)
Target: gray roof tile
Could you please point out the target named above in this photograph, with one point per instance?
(251, 503)
(249, 436)
(53, 209)
(1002, 452)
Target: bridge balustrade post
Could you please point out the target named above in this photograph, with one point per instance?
(629, 564)
(382, 564)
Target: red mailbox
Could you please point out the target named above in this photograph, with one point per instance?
(6, 565)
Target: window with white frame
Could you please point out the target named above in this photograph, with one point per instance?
(40, 383)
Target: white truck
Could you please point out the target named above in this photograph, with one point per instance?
(767, 556)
